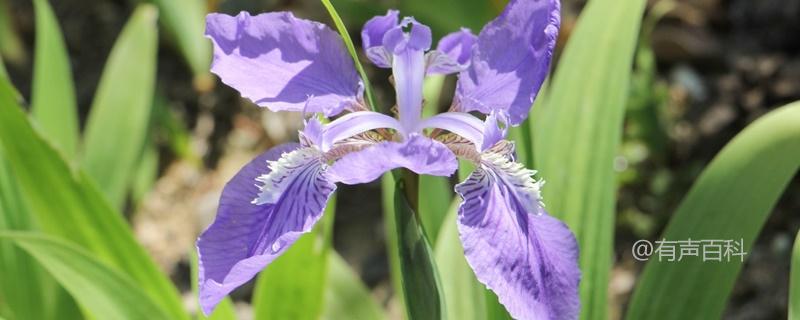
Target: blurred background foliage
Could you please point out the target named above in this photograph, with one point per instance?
(118, 160)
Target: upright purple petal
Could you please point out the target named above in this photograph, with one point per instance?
(283, 63)
(417, 153)
(511, 59)
(407, 42)
(452, 54)
(246, 236)
(372, 38)
(495, 129)
(528, 258)
(409, 35)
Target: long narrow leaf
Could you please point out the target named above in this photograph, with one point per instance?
(66, 203)
(185, 22)
(345, 295)
(102, 291)
(421, 285)
(463, 294)
(577, 133)
(22, 287)
(392, 238)
(118, 121)
(730, 201)
(53, 102)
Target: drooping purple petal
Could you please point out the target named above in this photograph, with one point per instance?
(511, 59)
(372, 38)
(246, 236)
(452, 54)
(417, 153)
(527, 257)
(283, 63)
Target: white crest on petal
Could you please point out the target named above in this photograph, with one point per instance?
(274, 183)
(518, 178)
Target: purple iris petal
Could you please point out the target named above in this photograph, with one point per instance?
(372, 38)
(452, 54)
(409, 35)
(495, 129)
(284, 63)
(511, 59)
(311, 135)
(463, 124)
(528, 258)
(408, 67)
(355, 123)
(245, 237)
(417, 153)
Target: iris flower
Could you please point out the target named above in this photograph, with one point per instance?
(527, 257)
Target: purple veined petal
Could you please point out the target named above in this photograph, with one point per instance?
(283, 63)
(245, 237)
(461, 123)
(511, 60)
(417, 153)
(355, 123)
(495, 128)
(408, 67)
(372, 38)
(527, 257)
(311, 135)
(452, 54)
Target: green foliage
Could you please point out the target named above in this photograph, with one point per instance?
(577, 133)
(27, 294)
(345, 295)
(463, 294)
(53, 102)
(730, 200)
(103, 292)
(118, 124)
(184, 20)
(66, 204)
(420, 280)
(282, 292)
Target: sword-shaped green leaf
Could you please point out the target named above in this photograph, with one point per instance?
(118, 122)
(66, 203)
(577, 133)
(730, 200)
(103, 292)
(53, 103)
(420, 280)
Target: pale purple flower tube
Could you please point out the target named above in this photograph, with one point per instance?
(528, 258)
